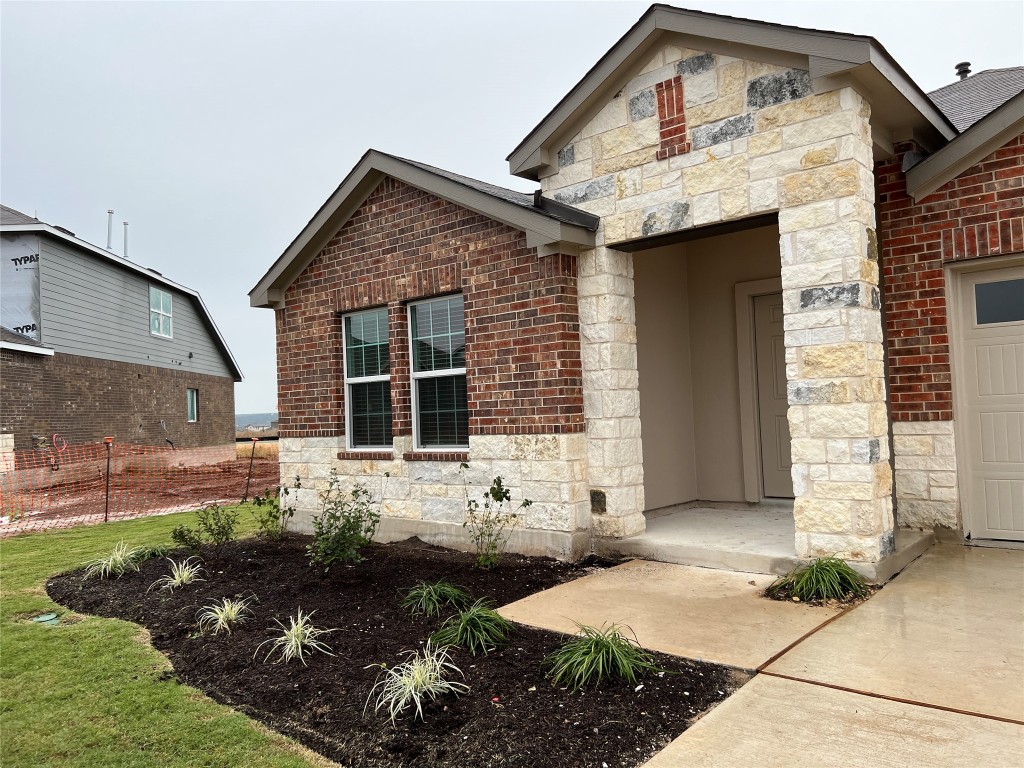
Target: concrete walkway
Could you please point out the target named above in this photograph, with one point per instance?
(928, 673)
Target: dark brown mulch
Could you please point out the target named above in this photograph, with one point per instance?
(512, 715)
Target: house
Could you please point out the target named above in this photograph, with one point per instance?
(94, 346)
(763, 271)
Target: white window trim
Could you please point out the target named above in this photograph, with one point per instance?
(359, 380)
(161, 313)
(188, 405)
(414, 376)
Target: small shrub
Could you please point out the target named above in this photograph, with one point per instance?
(429, 599)
(346, 524)
(297, 639)
(183, 573)
(491, 524)
(116, 563)
(215, 525)
(478, 629)
(826, 578)
(596, 655)
(424, 677)
(148, 553)
(272, 512)
(225, 615)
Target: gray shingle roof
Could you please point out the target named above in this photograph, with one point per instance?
(10, 217)
(966, 101)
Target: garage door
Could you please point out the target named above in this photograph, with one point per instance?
(991, 382)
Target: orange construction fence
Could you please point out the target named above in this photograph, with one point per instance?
(60, 485)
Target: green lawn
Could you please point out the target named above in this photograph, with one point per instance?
(89, 693)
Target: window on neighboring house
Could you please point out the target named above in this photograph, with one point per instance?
(367, 380)
(192, 404)
(160, 313)
(438, 336)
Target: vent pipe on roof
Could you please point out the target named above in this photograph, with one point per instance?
(963, 69)
(125, 254)
(110, 229)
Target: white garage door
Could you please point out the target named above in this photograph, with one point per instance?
(991, 382)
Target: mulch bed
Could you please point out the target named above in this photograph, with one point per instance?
(512, 715)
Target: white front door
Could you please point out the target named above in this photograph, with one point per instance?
(991, 385)
(772, 403)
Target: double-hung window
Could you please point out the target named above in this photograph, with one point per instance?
(160, 313)
(367, 380)
(438, 336)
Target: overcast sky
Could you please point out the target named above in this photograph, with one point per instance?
(218, 129)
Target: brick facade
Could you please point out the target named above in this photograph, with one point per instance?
(978, 214)
(522, 327)
(85, 399)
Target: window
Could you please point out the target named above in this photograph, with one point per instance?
(160, 313)
(367, 380)
(999, 302)
(192, 404)
(440, 410)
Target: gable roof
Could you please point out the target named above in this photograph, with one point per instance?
(12, 221)
(967, 101)
(973, 145)
(828, 53)
(544, 221)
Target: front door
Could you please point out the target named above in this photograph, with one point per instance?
(991, 382)
(772, 403)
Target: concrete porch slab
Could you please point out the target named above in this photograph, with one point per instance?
(776, 723)
(698, 613)
(948, 631)
(754, 540)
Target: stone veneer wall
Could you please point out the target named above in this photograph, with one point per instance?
(978, 214)
(754, 138)
(523, 372)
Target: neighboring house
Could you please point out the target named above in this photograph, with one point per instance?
(94, 346)
(730, 289)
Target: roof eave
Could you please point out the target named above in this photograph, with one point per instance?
(828, 53)
(540, 229)
(974, 144)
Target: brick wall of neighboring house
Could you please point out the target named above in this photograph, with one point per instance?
(978, 214)
(85, 399)
(522, 329)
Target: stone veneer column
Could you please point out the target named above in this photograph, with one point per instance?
(834, 353)
(611, 395)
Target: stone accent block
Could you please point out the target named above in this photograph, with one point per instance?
(587, 191)
(926, 483)
(769, 90)
(720, 132)
(642, 105)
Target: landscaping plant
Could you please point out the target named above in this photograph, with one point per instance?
(225, 615)
(491, 524)
(272, 512)
(183, 573)
(478, 629)
(596, 655)
(116, 563)
(428, 599)
(297, 639)
(215, 525)
(346, 524)
(424, 677)
(825, 578)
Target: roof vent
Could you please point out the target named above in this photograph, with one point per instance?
(963, 69)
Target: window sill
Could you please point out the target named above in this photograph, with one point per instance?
(366, 455)
(436, 456)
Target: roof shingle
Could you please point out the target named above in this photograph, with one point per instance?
(966, 101)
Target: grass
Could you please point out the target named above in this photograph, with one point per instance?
(92, 692)
(422, 678)
(264, 450)
(428, 599)
(300, 637)
(826, 578)
(478, 629)
(596, 655)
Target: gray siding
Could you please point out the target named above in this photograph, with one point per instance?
(94, 309)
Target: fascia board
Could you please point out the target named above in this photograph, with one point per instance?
(30, 349)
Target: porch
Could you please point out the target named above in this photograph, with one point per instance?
(756, 538)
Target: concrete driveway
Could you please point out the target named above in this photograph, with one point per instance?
(927, 673)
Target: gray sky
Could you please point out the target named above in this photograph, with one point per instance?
(218, 129)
